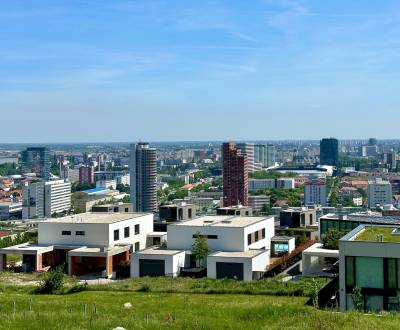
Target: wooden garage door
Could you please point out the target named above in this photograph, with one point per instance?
(151, 267)
(230, 270)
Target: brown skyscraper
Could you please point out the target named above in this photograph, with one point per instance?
(235, 175)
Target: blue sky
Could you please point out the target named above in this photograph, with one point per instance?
(166, 70)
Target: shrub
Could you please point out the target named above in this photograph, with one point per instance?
(53, 282)
(144, 288)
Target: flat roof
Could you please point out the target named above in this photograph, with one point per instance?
(159, 251)
(282, 238)
(241, 254)
(378, 234)
(93, 217)
(222, 221)
(95, 190)
(372, 218)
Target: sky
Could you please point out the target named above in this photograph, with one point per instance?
(170, 70)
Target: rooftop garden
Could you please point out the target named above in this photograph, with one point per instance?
(378, 234)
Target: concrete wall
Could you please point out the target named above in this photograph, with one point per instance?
(230, 239)
(96, 234)
(173, 263)
(258, 263)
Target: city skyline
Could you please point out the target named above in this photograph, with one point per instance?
(127, 70)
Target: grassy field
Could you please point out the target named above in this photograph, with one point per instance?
(105, 310)
(160, 303)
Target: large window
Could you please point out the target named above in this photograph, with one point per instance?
(116, 234)
(350, 280)
(80, 233)
(66, 233)
(137, 229)
(137, 246)
(126, 232)
(369, 272)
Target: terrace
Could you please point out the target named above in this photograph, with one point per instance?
(379, 234)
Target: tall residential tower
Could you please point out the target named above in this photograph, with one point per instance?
(143, 170)
(235, 175)
(329, 152)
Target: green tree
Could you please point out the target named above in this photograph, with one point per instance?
(200, 250)
(331, 239)
(53, 282)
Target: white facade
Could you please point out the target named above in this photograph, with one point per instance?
(97, 230)
(124, 179)
(252, 261)
(224, 233)
(379, 192)
(42, 199)
(173, 260)
(57, 197)
(315, 193)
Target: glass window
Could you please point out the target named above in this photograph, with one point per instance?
(249, 239)
(137, 229)
(369, 272)
(66, 233)
(349, 272)
(391, 271)
(263, 233)
(256, 236)
(137, 246)
(80, 233)
(116, 234)
(126, 232)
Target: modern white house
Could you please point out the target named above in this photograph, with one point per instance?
(239, 246)
(85, 243)
(314, 260)
(369, 259)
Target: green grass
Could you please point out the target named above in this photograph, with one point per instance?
(371, 233)
(176, 311)
(276, 287)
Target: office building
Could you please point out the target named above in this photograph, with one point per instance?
(143, 177)
(329, 152)
(10, 210)
(248, 150)
(315, 193)
(257, 203)
(379, 193)
(235, 176)
(264, 155)
(36, 160)
(86, 174)
(42, 199)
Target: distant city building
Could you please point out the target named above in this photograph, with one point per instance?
(315, 193)
(36, 160)
(177, 212)
(299, 217)
(237, 210)
(42, 199)
(10, 210)
(248, 150)
(86, 174)
(235, 176)
(109, 184)
(329, 152)
(369, 151)
(143, 177)
(264, 156)
(259, 184)
(113, 208)
(379, 193)
(257, 203)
